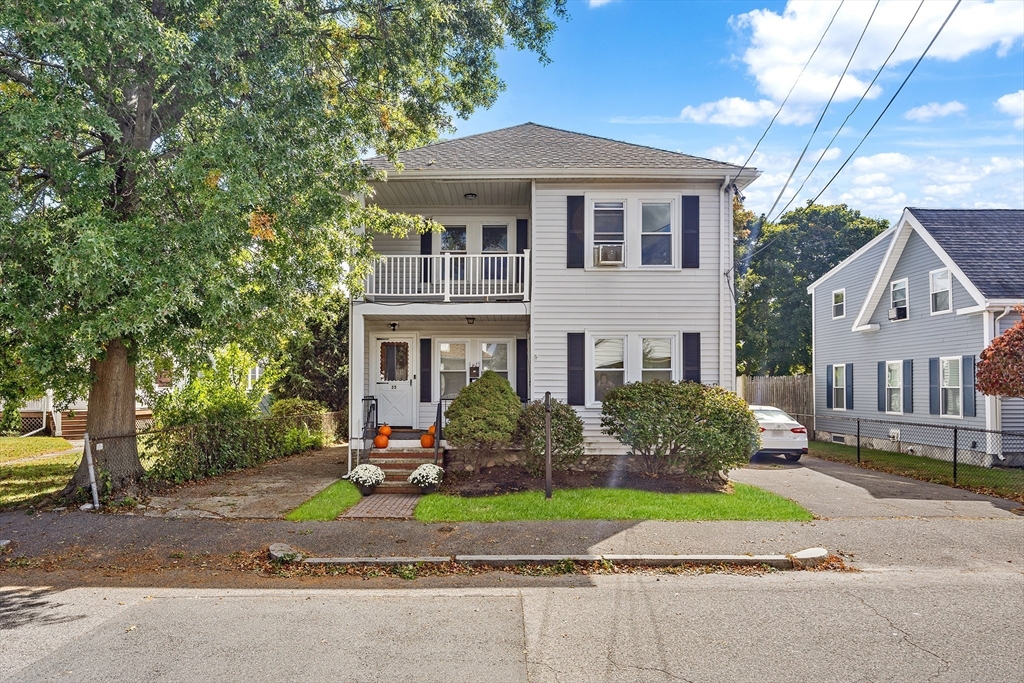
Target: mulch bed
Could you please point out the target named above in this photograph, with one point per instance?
(513, 479)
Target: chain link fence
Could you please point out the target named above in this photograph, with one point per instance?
(979, 459)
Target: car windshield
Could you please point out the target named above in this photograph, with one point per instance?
(772, 415)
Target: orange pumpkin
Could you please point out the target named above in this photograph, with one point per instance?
(427, 441)
(384, 430)
(380, 441)
(432, 430)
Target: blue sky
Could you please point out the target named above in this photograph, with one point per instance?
(705, 78)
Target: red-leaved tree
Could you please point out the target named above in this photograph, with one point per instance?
(1001, 368)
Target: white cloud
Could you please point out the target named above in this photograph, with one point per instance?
(885, 161)
(875, 194)
(934, 110)
(872, 179)
(1013, 104)
(729, 111)
(950, 190)
(598, 3)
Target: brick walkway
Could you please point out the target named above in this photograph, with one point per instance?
(384, 506)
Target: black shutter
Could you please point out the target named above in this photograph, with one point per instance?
(691, 232)
(881, 386)
(522, 370)
(970, 396)
(426, 249)
(426, 355)
(933, 386)
(908, 386)
(849, 386)
(522, 238)
(691, 356)
(828, 386)
(574, 233)
(577, 377)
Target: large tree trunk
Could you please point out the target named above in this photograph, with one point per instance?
(110, 422)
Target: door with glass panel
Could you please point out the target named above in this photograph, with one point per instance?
(395, 391)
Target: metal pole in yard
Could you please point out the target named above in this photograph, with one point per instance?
(955, 452)
(858, 440)
(92, 474)
(547, 444)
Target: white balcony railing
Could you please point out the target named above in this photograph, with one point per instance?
(451, 276)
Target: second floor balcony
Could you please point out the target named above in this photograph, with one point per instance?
(450, 277)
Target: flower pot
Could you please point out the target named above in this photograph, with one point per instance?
(429, 488)
(364, 489)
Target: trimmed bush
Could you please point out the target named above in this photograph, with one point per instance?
(705, 430)
(566, 436)
(483, 416)
(290, 407)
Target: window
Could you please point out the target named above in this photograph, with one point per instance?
(657, 359)
(839, 387)
(894, 387)
(453, 367)
(941, 291)
(609, 365)
(656, 234)
(949, 376)
(453, 241)
(898, 309)
(494, 356)
(609, 233)
(839, 304)
(494, 244)
(254, 376)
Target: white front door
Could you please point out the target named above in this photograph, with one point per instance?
(395, 389)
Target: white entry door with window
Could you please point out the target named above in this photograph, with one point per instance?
(395, 390)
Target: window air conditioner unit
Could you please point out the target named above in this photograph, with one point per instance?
(899, 313)
(608, 255)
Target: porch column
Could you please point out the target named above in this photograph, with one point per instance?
(356, 380)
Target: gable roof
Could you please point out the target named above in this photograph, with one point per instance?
(535, 147)
(985, 243)
(883, 236)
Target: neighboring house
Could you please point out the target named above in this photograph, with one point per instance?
(569, 263)
(899, 325)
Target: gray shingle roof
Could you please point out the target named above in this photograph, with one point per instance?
(539, 147)
(985, 243)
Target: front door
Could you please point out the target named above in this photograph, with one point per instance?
(395, 395)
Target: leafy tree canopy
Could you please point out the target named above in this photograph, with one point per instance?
(315, 362)
(774, 309)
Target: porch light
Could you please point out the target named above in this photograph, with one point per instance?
(470, 195)
(393, 326)
(470, 320)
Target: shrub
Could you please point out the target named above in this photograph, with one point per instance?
(10, 420)
(566, 436)
(289, 407)
(483, 416)
(703, 429)
(1001, 368)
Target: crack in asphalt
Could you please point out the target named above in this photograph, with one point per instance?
(647, 668)
(906, 636)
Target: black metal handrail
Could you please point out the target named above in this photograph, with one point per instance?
(439, 425)
(369, 422)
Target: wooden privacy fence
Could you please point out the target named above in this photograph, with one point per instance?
(793, 394)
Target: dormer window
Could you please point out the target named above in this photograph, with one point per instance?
(839, 304)
(898, 308)
(940, 285)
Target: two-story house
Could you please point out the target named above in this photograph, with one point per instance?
(899, 325)
(568, 263)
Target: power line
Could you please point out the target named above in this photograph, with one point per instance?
(791, 89)
(852, 111)
(891, 100)
(825, 110)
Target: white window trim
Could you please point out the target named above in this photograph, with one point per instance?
(932, 292)
(899, 366)
(674, 350)
(474, 356)
(435, 391)
(833, 310)
(835, 386)
(591, 401)
(960, 366)
(906, 288)
(632, 230)
(475, 232)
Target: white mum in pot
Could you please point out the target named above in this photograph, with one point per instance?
(366, 475)
(426, 475)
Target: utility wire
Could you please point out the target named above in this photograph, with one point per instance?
(852, 111)
(891, 100)
(791, 89)
(825, 110)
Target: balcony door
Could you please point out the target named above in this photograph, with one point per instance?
(395, 388)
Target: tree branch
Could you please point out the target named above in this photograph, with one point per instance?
(33, 62)
(16, 76)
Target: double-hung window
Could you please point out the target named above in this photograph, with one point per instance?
(494, 356)
(494, 246)
(453, 367)
(940, 286)
(894, 387)
(950, 387)
(609, 233)
(656, 234)
(657, 359)
(609, 365)
(839, 387)
(839, 304)
(454, 241)
(898, 308)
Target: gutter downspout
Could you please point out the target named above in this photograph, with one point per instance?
(726, 315)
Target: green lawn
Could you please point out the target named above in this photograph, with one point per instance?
(28, 483)
(16, 447)
(328, 504)
(1001, 482)
(747, 503)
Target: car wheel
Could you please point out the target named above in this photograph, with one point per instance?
(793, 457)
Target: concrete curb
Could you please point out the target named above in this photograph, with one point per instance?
(811, 557)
